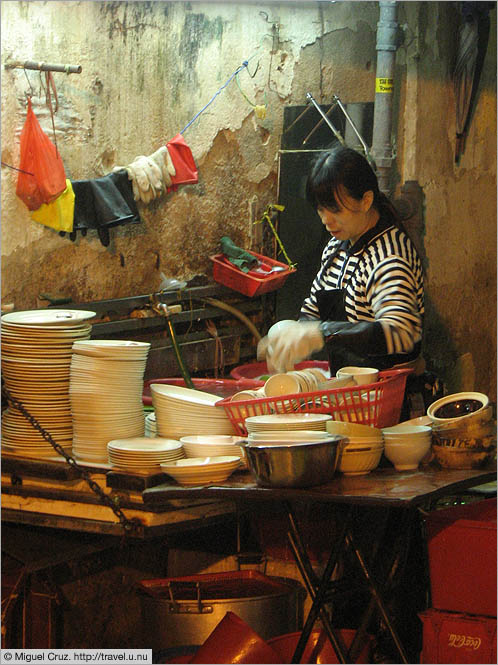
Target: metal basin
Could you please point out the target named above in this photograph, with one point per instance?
(287, 464)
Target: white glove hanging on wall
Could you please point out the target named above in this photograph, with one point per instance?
(292, 344)
(163, 160)
(146, 178)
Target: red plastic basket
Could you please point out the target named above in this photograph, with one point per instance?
(250, 283)
(378, 404)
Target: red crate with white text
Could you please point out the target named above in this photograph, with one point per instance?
(452, 637)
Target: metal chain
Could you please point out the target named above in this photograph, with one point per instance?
(127, 524)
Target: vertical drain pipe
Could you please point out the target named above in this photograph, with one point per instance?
(387, 44)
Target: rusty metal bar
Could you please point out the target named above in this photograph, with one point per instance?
(42, 66)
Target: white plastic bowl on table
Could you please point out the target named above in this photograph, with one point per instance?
(202, 470)
(406, 445)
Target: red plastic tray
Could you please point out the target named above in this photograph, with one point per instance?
(462, 558)
(378, 404)
(221, 387)
(250, 283)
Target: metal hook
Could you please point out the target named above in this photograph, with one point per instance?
(32, 92)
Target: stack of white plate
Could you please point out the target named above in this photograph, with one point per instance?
(141, 455)
(288, 436)
(185, 412)
(106, 386)
(36, 358)
(150, 425)
(201, 470)
(287, 421)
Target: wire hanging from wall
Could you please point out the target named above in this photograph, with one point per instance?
(244, 65)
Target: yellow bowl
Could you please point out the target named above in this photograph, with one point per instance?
(359, 463)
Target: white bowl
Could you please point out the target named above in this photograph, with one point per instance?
(360, 375)
(407, 455)
(202, 470)
(281, 384)
(359, 463)
(407, 430)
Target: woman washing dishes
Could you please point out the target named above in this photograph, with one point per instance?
(366, 303)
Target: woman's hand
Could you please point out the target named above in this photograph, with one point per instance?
(296, 342)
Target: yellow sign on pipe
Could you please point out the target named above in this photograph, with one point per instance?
(384, 85)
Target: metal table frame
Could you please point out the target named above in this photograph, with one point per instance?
(384, 488)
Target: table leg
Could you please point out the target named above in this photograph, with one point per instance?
(398, 551)
(377, 596)
(317, 589)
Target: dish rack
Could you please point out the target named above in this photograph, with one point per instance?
(377, 404)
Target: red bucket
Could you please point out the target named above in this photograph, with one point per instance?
(318, 648)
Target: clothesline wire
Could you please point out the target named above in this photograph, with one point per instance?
(244, 64)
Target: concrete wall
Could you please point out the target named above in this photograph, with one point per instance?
(460, 200)
(149, 67)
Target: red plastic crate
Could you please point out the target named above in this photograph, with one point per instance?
(250, 283)
(462, 558)
(457, 638)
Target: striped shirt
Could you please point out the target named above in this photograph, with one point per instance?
(383, 282)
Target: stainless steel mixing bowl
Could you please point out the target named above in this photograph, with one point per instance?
(294, 464)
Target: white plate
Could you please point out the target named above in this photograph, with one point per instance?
(141, 444)
(289, 418)
(200, 463)
(48, 316)
(183, 394)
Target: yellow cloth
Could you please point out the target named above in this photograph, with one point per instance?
(59, 214)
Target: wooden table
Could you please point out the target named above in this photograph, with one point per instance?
(406, 492)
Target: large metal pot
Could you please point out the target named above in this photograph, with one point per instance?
(294, 464)
(185, 610)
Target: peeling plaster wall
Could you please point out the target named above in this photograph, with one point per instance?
(149, 67)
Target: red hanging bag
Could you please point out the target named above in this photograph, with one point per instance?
(42, 178)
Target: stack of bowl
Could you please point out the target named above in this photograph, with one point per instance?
(464, 432)
(406, 445)
(213, 446)
(363, 449)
